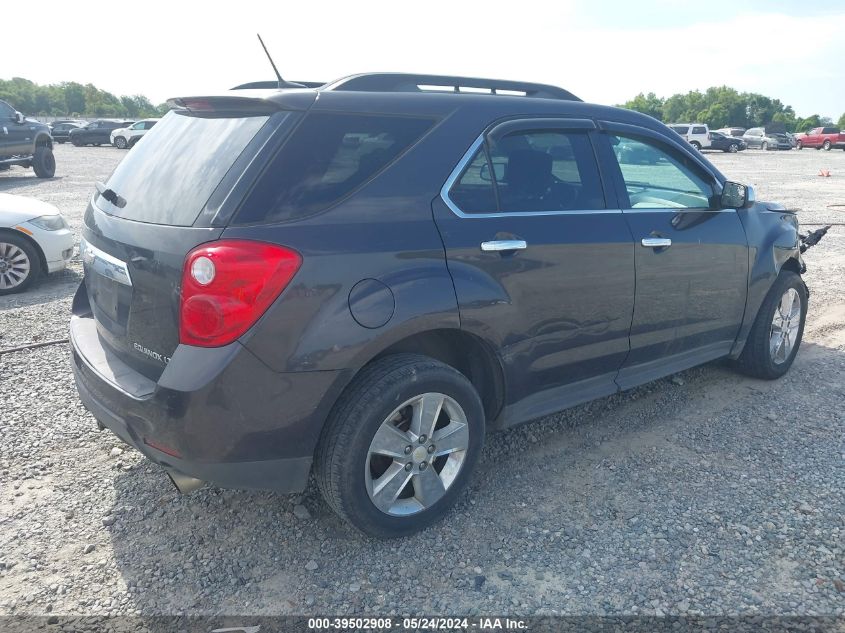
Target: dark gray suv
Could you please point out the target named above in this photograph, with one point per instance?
(365, 278)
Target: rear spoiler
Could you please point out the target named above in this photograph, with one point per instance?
(274, 85)
(226, 105)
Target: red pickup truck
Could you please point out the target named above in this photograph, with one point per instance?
(822, 138)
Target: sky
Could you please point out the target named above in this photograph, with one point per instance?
(603, 51)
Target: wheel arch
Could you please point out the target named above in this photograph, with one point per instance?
(41, 257)
(774, 246)
(44, 140)
(465, 352)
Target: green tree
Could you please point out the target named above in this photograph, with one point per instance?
(841, 122)
(648, 104)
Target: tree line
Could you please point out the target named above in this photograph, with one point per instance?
(73, 99)
(723, 107)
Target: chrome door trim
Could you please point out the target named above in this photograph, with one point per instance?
(497, 246)
(104, 264)
(656, 242)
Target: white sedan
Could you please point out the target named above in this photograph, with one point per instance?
(34, 239)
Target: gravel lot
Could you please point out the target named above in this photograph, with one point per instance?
(704, 493)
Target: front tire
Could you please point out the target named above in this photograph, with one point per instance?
(799, 145)
(764, 146)
(733, 148)
(826, 145)
(777, 331)
(400, 445)
(19, 264)
(696, 145)
(43, 162)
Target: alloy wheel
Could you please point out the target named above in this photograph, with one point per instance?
(785, 325)
(416, 454)
(14, 266)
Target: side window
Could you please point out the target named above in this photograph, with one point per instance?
(550, 170)
(6, 111)
(473, 192)
(137, 126)
(93, 126)
(149, 125)
(657, 178)
(699, 130)
(327, 158)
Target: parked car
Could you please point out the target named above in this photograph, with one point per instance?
(731, 131)
(126, 137)
(61, 131)
(726, 143)
(696, 134)
(34, 240)
(373, 308)
(25, 143)
(759, 138)
(96, 132)
(826, 138)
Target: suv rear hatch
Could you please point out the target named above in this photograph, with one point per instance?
(173, 191)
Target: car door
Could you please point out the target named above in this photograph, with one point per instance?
(542, 261)
(691, 255)
(16, 136)
(7, 120)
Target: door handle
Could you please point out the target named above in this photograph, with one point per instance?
(656, 242)
(499, 246)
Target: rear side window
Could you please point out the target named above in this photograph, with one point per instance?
(327, 157)
(169, 177)
(680, 129)
(699, 130)
(532, 171)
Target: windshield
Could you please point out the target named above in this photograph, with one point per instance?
(169, 177)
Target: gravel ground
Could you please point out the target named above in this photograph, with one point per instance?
(704, 493)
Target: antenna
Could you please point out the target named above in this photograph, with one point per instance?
(282, 82)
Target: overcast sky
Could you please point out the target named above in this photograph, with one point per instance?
(604, 52)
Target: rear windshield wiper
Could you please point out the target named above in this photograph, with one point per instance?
(110, 195)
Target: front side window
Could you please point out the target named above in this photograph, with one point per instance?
(6, 111)
(531, 171)
(656, 178)
(137, 126)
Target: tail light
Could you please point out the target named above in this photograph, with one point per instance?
(228, 285)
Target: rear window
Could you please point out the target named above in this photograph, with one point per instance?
(169, 177)
(327, 157)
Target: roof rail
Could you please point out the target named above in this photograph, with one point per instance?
(402, 82)
(271, 85)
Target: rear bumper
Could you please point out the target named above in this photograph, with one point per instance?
(219, 415)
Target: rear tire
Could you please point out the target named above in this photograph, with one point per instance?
(120, 142)
(20, 264)
(733, 148)
(799, 145)
(764, 146)
(43, 162)
(385, 404)
(76, 142)
(764, 356)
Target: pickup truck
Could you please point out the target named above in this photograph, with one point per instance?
(823, 138)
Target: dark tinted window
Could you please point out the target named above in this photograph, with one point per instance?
(149, 124)
(6, 111)
(473, 192)
(546, 171)
(699, 130)
(326, 158)
(169, 177)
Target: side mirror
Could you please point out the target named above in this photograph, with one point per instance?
(19, 118)
(737, 196)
